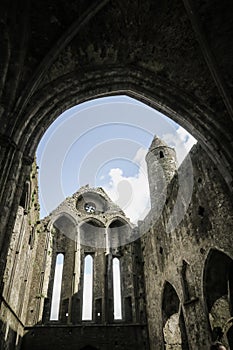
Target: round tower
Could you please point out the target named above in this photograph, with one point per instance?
(161, 166)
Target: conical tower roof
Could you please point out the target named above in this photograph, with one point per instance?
(157, 142)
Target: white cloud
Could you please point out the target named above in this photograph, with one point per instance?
(131, 193)
(182, 141)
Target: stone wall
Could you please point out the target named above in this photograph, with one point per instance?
(76, 233)
(179, 281)
(111, 337)
(18, 272)
(180, 257)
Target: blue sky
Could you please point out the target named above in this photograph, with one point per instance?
(103, 142)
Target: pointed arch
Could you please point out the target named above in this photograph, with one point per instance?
(171, 307)
(174, 330)
(26, 195)
(218, 292)
(216, 276)
(65, 225)
(92, 233)
(119, 233)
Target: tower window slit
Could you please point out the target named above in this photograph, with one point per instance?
(161, 154)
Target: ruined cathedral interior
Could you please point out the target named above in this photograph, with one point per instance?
(175, 267)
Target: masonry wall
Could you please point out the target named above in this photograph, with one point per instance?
(132, 280)
(104, 234)
(180, 257)
(111, 337)
(18, 272)
(184, 276)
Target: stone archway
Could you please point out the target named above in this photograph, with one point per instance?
(174, 331)
(68, 91)
(111, 48)
(218, 293)
(46, 104)
(55, 56)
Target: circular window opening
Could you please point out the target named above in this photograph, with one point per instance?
(90, 207)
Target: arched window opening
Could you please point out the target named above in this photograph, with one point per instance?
(118, 233)
(185, 285)
(25, 197)
(65, 226)
(31, 239)
(92, 234)
(91, 203)
(87, 289)
(56, 296)
(117, 304)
